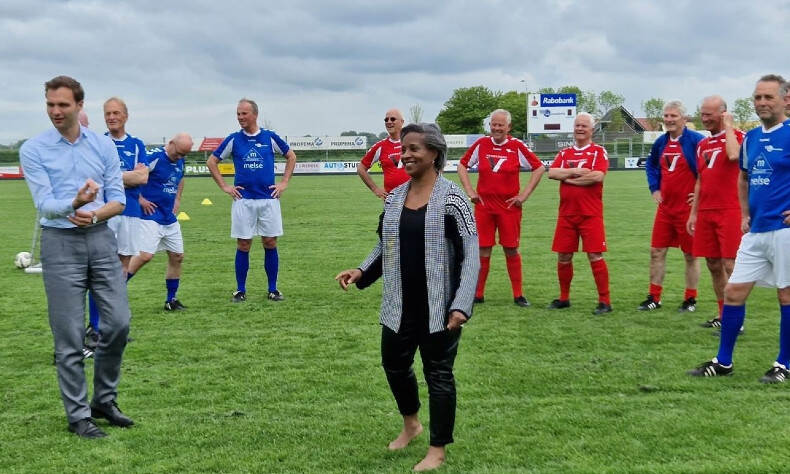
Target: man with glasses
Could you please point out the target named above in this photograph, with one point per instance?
(160, 199)
(386, 152)
(256, 196)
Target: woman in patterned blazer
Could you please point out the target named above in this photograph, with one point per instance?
(427, 255)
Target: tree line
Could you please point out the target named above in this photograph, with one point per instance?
(465, 110)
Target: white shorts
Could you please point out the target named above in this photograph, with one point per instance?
(155, 237)
(763, 258)
(127, 233)
(251, 217)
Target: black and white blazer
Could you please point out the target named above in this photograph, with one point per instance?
(452, 261)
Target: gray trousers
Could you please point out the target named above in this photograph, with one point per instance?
(74, 261)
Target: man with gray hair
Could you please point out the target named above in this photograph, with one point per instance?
(763, 257)
(498, 198)
(715, 217)
(671, 175)
(580, 169)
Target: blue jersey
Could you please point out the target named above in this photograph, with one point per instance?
(131, 151)
(164, 176)
(765, 156)
(253, 160)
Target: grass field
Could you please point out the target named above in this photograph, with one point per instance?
(297, 386)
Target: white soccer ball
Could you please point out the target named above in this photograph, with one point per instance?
(23, 260)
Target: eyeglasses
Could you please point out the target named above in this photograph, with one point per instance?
(389, 119)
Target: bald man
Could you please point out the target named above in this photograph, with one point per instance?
(715, 218)
(386, 152)
(160, 199)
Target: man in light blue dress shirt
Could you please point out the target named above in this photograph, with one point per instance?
(75, 179)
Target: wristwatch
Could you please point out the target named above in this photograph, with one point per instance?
(94, 218)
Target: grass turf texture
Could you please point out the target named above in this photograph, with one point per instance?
(297, 386)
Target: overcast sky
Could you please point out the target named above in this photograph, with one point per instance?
(323, 67)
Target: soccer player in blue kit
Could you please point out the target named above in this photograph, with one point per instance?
(256, 197)
(132, 156)
(763, 257)
(159, 200)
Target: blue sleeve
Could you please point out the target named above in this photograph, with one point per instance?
(743, 159)
(652, 167)
(281, 144)
(40, 186)
(690, 150)
(113, 180)
(142, 154)
(220, 153)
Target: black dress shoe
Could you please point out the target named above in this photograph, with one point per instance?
(112, 413)
(87, 429)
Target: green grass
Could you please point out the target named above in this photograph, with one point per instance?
(297, 386)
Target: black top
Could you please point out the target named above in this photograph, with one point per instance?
(412, 263)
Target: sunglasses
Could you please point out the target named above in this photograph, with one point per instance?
(390, 119)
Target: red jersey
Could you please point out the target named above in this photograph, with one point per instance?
(387, 152)
(498, 167)
(677, 179)
(718, 187)
(582, 200)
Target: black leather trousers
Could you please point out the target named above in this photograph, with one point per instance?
(438, 353)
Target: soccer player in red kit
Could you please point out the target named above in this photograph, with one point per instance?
(671, 176)
(498, 198)
(580, 169)
(715, 217)
(386, 152)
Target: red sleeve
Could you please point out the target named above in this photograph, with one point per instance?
(739, 135)
(468, 155)
(367, 160)
(526, 153)
(601, 160)
(557, 163)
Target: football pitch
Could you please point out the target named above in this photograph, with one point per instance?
(297, 386)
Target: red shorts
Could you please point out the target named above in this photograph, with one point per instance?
(717, 233)
(570, 228)
(669, 230)
(508, 223)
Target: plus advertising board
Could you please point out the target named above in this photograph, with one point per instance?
(551, 113)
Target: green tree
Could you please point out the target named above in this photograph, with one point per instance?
(654, 110)
(696, 119)
(515, 103)
(465, 110)
(608, 100)
(743, 112)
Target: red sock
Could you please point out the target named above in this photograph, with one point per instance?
(721, 307)
(601, 275)
(689, 293)
(485, 265)
(655, 291)
(565, 275)
(513, 263)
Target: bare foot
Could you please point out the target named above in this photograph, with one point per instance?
(432, 460)
(405, 437)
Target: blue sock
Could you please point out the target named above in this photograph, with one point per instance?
(129, 277)
(93, 312)
(242, 266)
(731, 321)
(784, 335)
(271, 263)
(172, 288)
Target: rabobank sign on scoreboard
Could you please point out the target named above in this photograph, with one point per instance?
(551, 113)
